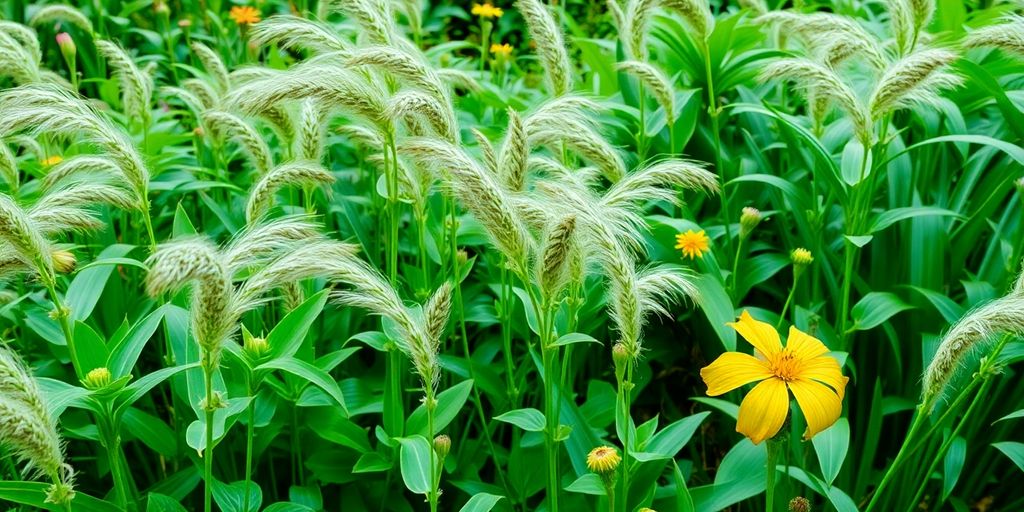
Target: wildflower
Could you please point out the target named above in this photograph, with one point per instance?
(184, 23)
(693, 243)
(97, 378)
(801, 257)
(67, 46)
(749, 219)
(487, 10)
(799, 504)
(161, 8)
(63, 261)
(442, 445)
(603, 460)
(802, 367)
(501, 50)
(244, 15)
(255, 347)
(53, 160)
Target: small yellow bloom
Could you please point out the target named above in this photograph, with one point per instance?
(97, 378)
(501, 50)
(487, 10)
(802, 367)
(244, 14)
(801, 257)
(603, 460)
(53, 160)
(693, 243)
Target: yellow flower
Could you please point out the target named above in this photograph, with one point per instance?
(693, 244)
(53, 160)
(487, 10)
(97, 378)
(603, 460)
(244, 14)
(802, 367)
(801, 257)
(501, 50)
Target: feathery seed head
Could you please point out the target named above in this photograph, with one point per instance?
(696, 13)
(514, 154)
(915, 79)
(294, 174)
(656, 81)
(551, 47)
(437, 310)
(554, 271)
(1008, 35)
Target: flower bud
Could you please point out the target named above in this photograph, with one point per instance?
(67, 46)
(621, 358)
(801, 257)
(63, 261)
(604, 460)
(442, 445)
(749, 219)
(799, 504)
(646, 509)
(160, 6)
(255, 347)
(184, 23)
(97, 378)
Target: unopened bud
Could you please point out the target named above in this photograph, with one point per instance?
(67, 46)
(462, 256)
(801, 257)
(63, 261)
(255, 348)
(97, 378)
(198, 131)
(749, 219)
(442, 445)
(161, 7)
(799, 504)
(621, 358)
(185, 23)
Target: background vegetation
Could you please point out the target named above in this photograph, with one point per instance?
(409, 255)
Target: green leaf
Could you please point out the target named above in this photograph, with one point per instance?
(831, 445)
(231, 497)
(138, 389)
(125, 354)
(182, 224)
(839, 499)
(414, 461)
(87, 286)
(481, 502)
(159, 503)
(34, 494)
(669, 440)
(449, 403)
(894, 215)
(854, 167)
(90, 348)
(859, 240)
(286, 337)
(314, 375)
(330, 424)
(1019, 413)
(684, 502)
(717, 305)
(729, 408)
(875, 308)
(1013, 450)
(589, 483)
(530, 420)
(953, 465)
(574, 337)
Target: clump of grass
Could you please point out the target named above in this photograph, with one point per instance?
(29, 432)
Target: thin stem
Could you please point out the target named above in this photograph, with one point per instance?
(625, 392)
(713, 112)
(506, 334)
(208, 452)
(735, 265)
(789, 299)
(61, 313)
(434, 476)
(250, 432)
(769, 476)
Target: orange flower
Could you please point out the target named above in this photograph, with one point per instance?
(244, 15)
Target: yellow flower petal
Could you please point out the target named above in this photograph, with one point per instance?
(732, 370)
(825, 369)
(803, 345)
(761, 335)
(764, 410)
(821, 406)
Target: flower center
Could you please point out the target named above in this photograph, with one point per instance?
(786, 366)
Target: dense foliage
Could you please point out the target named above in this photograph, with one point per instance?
(294, 255)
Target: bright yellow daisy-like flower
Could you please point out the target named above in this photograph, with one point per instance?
(487, 10)
(693, 243)
(244, 14)
(501, 50)
(802, 367)
(603, 459)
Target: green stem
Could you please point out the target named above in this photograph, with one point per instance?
(435, 477)
(506, 334)
(735, 266)
(62, 319)
(626, 397)
(789, 299)
(769, 477)
(208, 452)
(716, 135)
(249, 434)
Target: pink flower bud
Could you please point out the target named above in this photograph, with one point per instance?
(67, 45)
